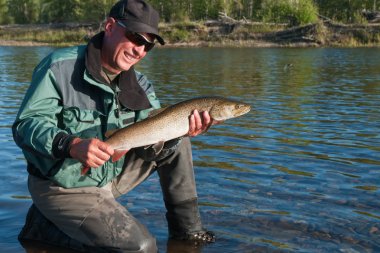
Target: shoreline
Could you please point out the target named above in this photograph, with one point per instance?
(200, 44)
(207, 34)
(15, 43)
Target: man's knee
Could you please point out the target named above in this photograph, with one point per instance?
(116, 230)
(139, 245)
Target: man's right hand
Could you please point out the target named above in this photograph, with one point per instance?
(92, 153)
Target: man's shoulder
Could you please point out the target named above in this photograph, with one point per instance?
(68, 53)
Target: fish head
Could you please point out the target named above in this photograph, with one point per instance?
(227, 109)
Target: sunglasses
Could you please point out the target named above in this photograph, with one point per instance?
(138, 39)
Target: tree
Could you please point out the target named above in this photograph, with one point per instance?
(94, 10)
(298, 11)
(57, 11)
(24, 11)
(345, 10)
(4, 14)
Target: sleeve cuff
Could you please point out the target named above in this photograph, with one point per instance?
(61, 145)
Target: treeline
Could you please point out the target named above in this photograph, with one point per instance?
(278, 11)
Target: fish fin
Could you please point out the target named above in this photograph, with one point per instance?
(85, 170)
(158, 147)
(156, 111)
(109, 133)
(208, 127)
(118, 154)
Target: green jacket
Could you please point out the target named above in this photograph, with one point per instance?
(69, 97)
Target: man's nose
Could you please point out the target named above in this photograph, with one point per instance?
(139, 50)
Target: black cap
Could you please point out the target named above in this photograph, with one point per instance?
(137, 16)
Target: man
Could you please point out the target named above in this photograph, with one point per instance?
(76, 95)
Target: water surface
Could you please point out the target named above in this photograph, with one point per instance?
(300, 173)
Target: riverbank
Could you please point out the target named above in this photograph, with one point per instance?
(207, 34)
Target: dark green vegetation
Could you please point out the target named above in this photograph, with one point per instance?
(296, 11)
(202, 22)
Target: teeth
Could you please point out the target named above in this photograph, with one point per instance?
(129, 57)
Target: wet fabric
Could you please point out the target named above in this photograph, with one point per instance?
(92, 215)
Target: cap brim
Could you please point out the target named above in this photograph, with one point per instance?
(139, 27)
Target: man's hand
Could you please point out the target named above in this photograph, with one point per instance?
(200, 123)
(92, 153)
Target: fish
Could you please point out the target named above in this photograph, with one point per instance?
(171, 122)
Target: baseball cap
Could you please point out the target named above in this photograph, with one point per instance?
(137, 16)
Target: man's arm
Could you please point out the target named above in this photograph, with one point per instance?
(37, 127)
(36, 124)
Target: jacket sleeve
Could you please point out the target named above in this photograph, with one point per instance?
(36, 124)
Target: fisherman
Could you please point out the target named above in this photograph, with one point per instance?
(77, 94)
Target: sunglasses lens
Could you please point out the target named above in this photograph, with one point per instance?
(149, 47)
(139, 40)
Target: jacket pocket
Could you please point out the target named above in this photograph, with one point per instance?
(127, 118)
(82, 123)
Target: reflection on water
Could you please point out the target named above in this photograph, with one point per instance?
(300, 172)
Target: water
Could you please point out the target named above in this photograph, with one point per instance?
(300, 173)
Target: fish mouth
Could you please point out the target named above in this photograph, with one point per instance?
(243, 109)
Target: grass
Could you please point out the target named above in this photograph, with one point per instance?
(56, 37)
(355, 37)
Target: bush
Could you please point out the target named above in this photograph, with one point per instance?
(293, 12)
(177, 35)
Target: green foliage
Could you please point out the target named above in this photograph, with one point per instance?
(75, 10)
(177, 35)
(348, 11)
(306, 12)
(200, 8)
(23, 11)
(60, 11)
(95, 10)
(4, 17)
(182, 31)
(51, 36)
(294, 12)
(54, 11)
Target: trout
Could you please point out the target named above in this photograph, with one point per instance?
(171, 122)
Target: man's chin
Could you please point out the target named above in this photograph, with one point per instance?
(125, 66)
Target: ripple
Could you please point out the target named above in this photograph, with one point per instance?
(299, 173)
(367, 187)
(369, 215)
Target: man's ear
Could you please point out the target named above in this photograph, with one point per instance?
(109, 25)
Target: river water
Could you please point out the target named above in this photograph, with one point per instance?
(299, 173)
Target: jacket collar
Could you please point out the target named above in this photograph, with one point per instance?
(131, 95)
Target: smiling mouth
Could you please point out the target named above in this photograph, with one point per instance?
(129, 57)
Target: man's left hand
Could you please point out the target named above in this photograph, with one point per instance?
(199, 123)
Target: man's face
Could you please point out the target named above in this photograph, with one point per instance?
(118, 52)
